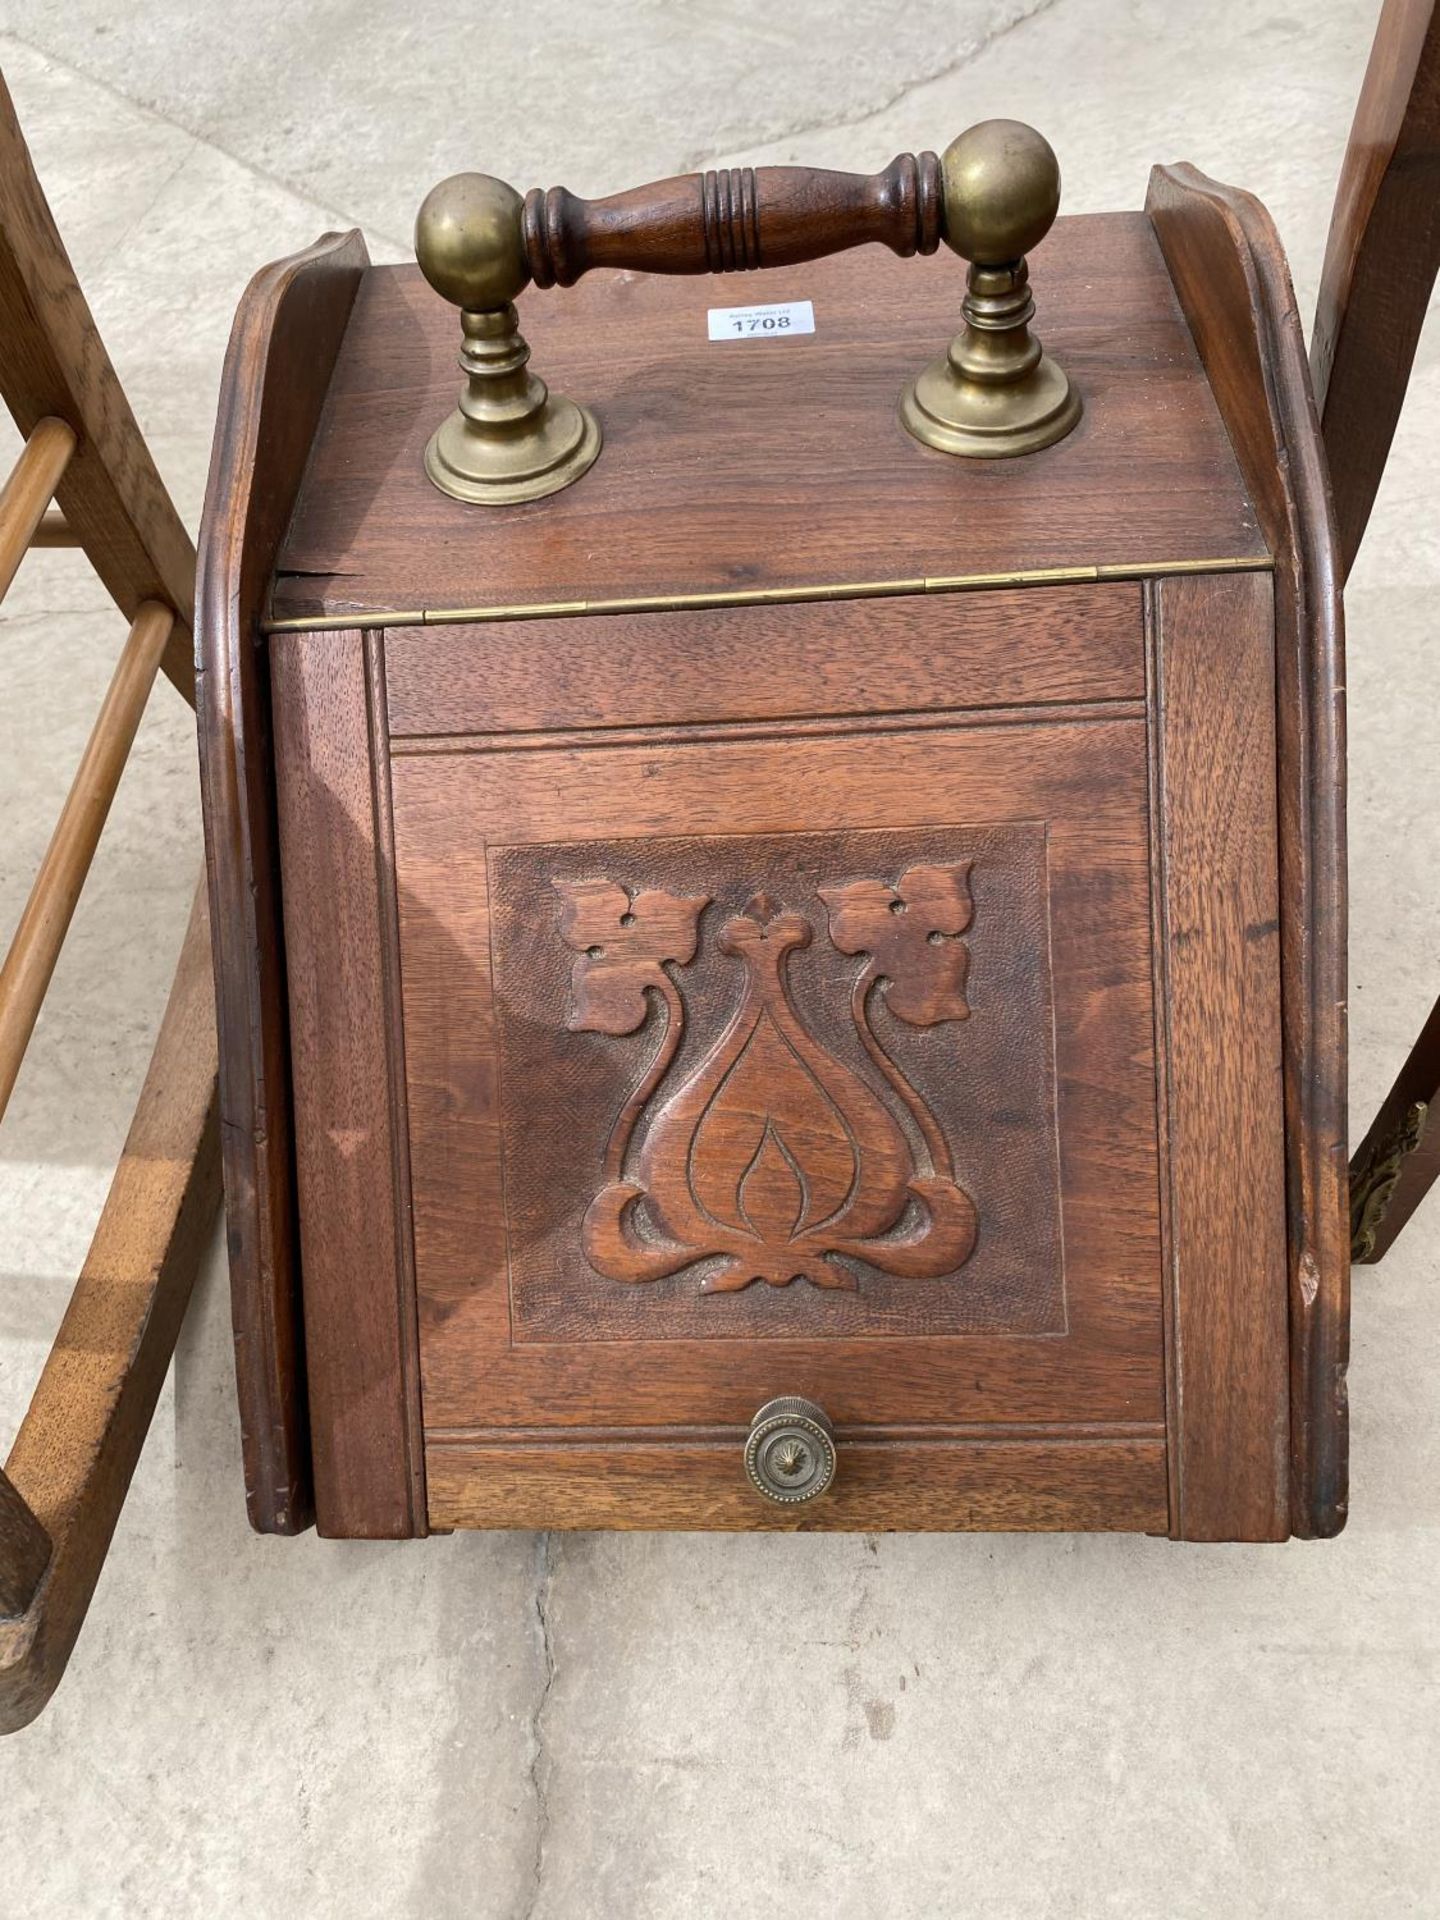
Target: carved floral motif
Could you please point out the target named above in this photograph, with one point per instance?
(772, 1152)
(623, 944)
(912, 932)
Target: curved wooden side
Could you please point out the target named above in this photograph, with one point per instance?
(282, 350)
(1230, 275)
(1380, 261)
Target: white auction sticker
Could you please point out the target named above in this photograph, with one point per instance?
(762, 323)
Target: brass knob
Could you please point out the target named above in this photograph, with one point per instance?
(995, 393)
(790, 1451)
(1001, 186)
(510, 439)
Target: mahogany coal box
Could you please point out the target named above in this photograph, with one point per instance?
(797, 922)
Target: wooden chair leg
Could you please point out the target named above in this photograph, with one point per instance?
(1380, 261)
(53, 362)
(1380, 265)
(1399, 1159)
(63, 1486)
(24, 1552)
(77, 1446)
(29, 491)
(46, 919)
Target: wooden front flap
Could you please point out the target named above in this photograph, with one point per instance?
(862, 1000)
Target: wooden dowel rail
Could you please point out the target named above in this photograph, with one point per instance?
(29, 491)
(43, 924)
(55, 530)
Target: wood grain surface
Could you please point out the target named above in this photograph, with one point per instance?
(24, 1552)
(882, 1485)
(87, 1420)
(1219, 941)
(732, 218)
(1380, 265)
(28, 489)
(1416, 1084)
(1231, 276)
(773, 463)
(545, 770)
(77, 1446)
(907, 655)
(1087, 783)
(351, 1146)
(819, 1057)
(39, 935)
(784, 800)
(1380, 262)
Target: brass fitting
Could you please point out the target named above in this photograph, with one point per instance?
(995, 393)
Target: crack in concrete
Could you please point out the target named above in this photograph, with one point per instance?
(118, 242)
(835, 122)
(540, 1763)
(689, 164)
(152, 112)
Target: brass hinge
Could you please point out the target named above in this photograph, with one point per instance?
(1375, 1176)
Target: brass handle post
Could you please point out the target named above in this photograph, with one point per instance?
(995, 393)
(510, 439)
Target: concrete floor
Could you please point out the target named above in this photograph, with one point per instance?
(674, 1726)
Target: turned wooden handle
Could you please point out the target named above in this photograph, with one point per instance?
(733, 218)
(990, 197)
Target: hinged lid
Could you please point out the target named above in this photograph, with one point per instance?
(770, 465)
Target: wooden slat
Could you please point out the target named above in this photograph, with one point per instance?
(53, 361)
(1380, 266)
(1380, 261)
(1053, 1485)
(72, 1461)
(349, 1138)
(29, 490)
(904, 655)
(43, 924)
(55, 530)
(78, 1444)
(1219, 937)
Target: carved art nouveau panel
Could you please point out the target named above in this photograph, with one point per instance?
(798, 1085)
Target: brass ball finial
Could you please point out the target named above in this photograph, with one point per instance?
(1001, 184)
(469, 244)
(995, 394)
(510, 439)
